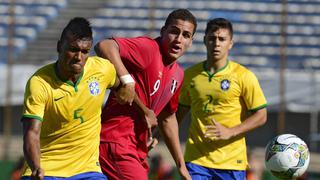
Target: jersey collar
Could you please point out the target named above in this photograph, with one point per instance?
(75, 85)
(205, 68)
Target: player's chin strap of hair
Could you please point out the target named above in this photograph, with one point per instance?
(126, 79)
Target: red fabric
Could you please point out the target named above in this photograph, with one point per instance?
(158, 86)
(121, 161)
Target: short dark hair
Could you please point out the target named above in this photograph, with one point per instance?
(219, 23)
(183, 14)
(79, 28)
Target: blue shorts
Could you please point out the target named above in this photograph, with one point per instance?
(82, 176)
(202, 173)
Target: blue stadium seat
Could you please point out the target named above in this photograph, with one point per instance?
(18, 44)
(31, 16)
(257, 27)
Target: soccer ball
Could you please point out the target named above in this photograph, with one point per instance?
(287, 156)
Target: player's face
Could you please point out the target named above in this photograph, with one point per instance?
(73, 54)
(176, 38)
(218, 44)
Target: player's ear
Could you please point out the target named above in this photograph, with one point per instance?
(231, 44)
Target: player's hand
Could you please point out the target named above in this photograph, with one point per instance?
(37, 174)
(150, 119)
(217, 131)
(152, 143)
(184, 173)
(125, 94)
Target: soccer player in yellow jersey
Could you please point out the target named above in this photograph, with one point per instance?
(62, 107)
(226, 101)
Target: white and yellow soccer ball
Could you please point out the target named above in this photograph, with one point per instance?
(287, 156)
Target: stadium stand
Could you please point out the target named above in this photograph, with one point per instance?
(30, 17)
(43, 49)
(256, 24)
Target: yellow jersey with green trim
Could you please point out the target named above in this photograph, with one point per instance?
(70, 115)
(227, 96)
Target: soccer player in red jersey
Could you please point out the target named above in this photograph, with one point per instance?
(149, 66)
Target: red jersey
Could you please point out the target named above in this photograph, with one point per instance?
(157, 85)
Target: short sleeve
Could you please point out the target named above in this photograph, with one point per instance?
(108, 71)
(35, 99)
(252, 92)
(112, 74)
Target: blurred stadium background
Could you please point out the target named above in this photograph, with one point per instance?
(278, 40)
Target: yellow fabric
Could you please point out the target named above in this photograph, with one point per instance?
(225, 96)
(70, 115)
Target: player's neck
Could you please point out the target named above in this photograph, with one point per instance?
(64, 76)
(215, 65)
(168, 61)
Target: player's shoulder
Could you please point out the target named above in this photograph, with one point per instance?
(142, 40)
(193, 71)
(196, 68)
(101, 65)
(239, 68)
(98, 61)
(44, 71)
(143, 44)
(44, 75)
(147, 41)
(242, 72)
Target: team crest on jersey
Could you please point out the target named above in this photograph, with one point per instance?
(225, 84)
(94, 88)
(174, 85)
(93, 84)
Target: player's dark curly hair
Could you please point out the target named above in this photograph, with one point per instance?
(79, 28)
(183, 14)
(219, 23)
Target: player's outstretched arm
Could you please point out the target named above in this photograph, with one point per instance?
(255, 120)
(109, 49)
(168, 127)
(31, 146)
